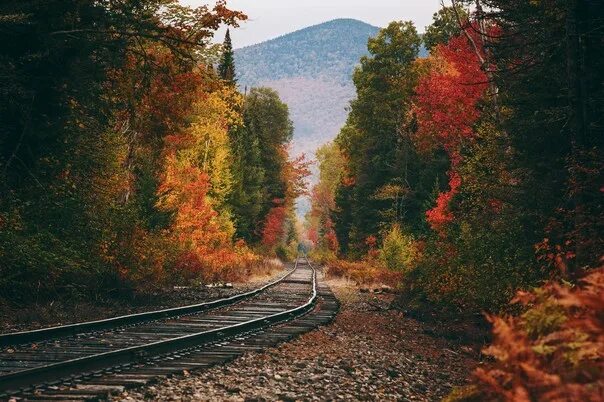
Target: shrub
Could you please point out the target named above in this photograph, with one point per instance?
(399, 251)
(554, 351)
(363, 272)
(322, 255)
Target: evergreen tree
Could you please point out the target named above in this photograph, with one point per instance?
(390, 181)
(550, 69)
(260, 156)
(248, 176)
(226, 68)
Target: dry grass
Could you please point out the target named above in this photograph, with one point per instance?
(363, 273)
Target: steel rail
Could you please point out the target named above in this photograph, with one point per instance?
(62, 371)
(50, 333)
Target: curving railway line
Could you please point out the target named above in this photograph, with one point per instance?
(89, 361)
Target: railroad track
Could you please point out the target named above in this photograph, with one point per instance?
(88, 361)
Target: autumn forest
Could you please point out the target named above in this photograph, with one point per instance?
(468, 183)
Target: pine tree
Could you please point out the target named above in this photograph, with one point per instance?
(226, 68)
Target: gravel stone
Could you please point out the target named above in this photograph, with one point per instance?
(371, 352)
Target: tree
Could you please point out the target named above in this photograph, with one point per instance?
(274, 225)
(196, 182)
(445, 25)
(226, 68)
(399, 251)
(279, 227)
(446, 108)
(89, 92)
(260, 160)
(321, 228)
(549, 68)
(388, 182)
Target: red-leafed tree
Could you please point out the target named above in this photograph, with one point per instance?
(274, 225)
(439, 216)
(294, 174)
(446, 108)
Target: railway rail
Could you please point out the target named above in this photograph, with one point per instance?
(89, 360)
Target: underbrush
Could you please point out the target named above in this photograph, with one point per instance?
(39, 267)
(554, 351)
(322, 255)
(285, 252)
(364, 272)
(43, 267)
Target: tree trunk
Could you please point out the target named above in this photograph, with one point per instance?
(578, 129)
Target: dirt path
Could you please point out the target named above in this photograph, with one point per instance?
(368, 353)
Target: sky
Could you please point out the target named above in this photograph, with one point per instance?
(271, 18)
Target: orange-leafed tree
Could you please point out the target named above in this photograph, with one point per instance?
(197, 181)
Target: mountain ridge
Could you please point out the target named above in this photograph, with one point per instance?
(327, 50)
(311, 68)
(310, 27)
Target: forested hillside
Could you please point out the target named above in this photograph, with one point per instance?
(127, 160)
(311, 69)
(329, 50)
(471, 177)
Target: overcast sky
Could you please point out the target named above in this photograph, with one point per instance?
(271, 18)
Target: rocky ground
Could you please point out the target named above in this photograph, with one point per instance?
(65, 311)
(370, 352)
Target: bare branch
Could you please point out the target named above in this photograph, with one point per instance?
(467, 35)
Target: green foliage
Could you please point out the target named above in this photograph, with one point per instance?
(445, 25)
(389, 181)
(331, 165)
(259, 159)
(524, 168)
(399, 251)
(545, 317)
(322, 255)
(486, 255)
(320, 226)
(493, 256)
(89, 93)
(288, 251)
(468, 393)
(226, 68)
(249, 195)
(312, 71)
(555, 102)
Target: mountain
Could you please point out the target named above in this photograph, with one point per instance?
(311, 69)
(328, 50)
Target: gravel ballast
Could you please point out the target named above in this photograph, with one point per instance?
(370, 352)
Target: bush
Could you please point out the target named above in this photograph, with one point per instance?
(477, 267)
(399, 251)
(322, 255)
(363, 272)
(288, 252)
(554, 351)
